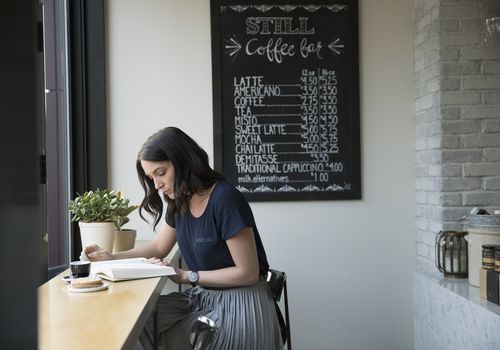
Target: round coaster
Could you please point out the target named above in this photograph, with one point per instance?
(87, 290)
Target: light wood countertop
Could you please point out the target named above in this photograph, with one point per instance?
(108, 319)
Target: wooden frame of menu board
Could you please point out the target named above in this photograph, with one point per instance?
(286, 98)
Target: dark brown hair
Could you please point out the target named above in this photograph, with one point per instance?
(193, 173)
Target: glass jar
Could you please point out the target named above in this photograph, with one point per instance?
(497, 258)
(451, 254)
(489, 256)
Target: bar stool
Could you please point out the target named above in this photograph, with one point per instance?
(202, 333)
(276, 281)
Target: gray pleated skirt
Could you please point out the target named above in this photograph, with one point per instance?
(245, 318)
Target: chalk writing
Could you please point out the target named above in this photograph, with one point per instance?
(288, 98)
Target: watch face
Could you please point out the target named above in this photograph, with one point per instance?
(193, 277)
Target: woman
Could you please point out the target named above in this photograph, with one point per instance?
(218, 239)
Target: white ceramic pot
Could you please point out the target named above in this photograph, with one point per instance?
(124, 240)
(100, 233)
(483, 229)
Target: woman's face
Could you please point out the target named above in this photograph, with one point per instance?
(162, 174)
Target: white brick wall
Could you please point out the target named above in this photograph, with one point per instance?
(457, 113)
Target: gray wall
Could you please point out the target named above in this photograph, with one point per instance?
(457, 110)
(457, 113)
(349, 263)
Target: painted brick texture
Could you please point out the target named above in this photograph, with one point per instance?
(457, 113)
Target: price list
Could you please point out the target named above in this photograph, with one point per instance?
(288, 104)
(292, 151)
(320, 120)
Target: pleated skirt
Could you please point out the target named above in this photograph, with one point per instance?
(245, 319)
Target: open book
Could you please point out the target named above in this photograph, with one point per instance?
(129, 269)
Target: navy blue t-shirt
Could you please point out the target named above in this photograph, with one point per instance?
(202, 240)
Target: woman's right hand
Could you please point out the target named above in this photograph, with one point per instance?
(96, 253)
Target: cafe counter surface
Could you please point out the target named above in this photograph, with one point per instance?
(449, 314)
(108, 319)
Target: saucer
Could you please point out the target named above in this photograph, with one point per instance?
(87, 290)
(68, 278)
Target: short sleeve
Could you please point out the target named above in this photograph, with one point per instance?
(232, 213)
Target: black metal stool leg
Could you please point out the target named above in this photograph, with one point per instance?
(202, 333)
(287, 317)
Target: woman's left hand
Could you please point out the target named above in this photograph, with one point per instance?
(181, 275)
(157, 261)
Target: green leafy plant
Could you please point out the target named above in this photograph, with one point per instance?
(101, 206)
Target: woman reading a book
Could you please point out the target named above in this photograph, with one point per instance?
(216, 232)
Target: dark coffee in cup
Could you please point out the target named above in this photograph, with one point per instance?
(80, 269)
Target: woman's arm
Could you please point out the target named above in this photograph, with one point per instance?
(160, 247)
(246, 270)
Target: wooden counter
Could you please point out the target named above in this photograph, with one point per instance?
(108, 319)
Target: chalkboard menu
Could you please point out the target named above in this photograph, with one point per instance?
(286, 98)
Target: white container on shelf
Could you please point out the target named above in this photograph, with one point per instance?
(482, 229)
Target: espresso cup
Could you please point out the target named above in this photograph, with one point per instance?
(80, 269)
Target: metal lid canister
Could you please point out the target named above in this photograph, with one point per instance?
(483, 229)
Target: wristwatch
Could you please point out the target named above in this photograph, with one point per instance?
(193, 278)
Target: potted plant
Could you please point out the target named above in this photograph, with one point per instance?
(100, 214)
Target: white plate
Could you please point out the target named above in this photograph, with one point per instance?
(68, 278)
(87, 290)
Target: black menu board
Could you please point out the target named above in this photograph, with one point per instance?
(286, 98)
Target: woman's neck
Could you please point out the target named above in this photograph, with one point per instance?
(198, 202)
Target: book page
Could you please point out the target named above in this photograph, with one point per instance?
(126, 269)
